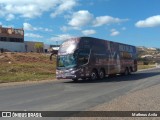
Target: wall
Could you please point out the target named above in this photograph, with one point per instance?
(46, 48)
(30, 46)
(13, 46)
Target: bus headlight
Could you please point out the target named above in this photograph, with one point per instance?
(81, 69)
(58, 72)
(72, 72)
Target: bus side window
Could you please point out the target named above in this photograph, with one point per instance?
(83, 57)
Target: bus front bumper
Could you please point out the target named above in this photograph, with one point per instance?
(66, 74)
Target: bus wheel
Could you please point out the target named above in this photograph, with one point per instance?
(75, 79)
(130, 70)
(101, 74)
(84, 78)
(94, 75)
(126, 72)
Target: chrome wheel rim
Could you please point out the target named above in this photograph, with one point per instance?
(101, 75)
(126, 72)
(93, 76)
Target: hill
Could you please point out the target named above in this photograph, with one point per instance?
(149, 54)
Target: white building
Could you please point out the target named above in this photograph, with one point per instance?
(147, 56)
(152, 49)
(46, 48)
(12, 46)
(30, 46)
(12, 39)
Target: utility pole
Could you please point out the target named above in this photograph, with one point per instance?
(57, 43)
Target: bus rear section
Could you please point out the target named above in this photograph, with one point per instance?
(92, 58)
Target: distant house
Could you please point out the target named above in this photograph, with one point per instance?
(54, 48)
(31, 46)
(147, 56)
(51, 48)
(12, 39)
(153, 49)
(46, 48)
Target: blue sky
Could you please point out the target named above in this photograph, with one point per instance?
(135, 22)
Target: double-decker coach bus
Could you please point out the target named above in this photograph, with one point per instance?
(87, 57)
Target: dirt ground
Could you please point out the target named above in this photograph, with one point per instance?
(23, 57)
(17, 67)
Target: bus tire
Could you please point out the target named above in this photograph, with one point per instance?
(84, 78)
(94, 75)
(101, 74)
(130, 70)
(126, 72)
(75, 79)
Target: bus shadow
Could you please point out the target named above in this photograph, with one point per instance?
(119, 78)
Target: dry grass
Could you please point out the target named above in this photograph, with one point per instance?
(16, 67)
(140, 67)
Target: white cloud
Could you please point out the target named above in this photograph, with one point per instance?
(88, 32)
(6, 26)
(35, 8)
(32, 35)
(114, 32)
(29, 27)
(26, 8)
(102, 20)
(149, 22)
(81, 18)
(48, 30)
(10, 17)
(65, 5)
(67, 28)
(64, 28)
(61, 37)
(124, 28)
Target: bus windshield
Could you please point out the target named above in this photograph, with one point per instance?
(80, 57)
(67, 61)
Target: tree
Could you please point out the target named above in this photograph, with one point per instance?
(38, 47)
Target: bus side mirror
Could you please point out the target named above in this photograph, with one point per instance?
(51, 56)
